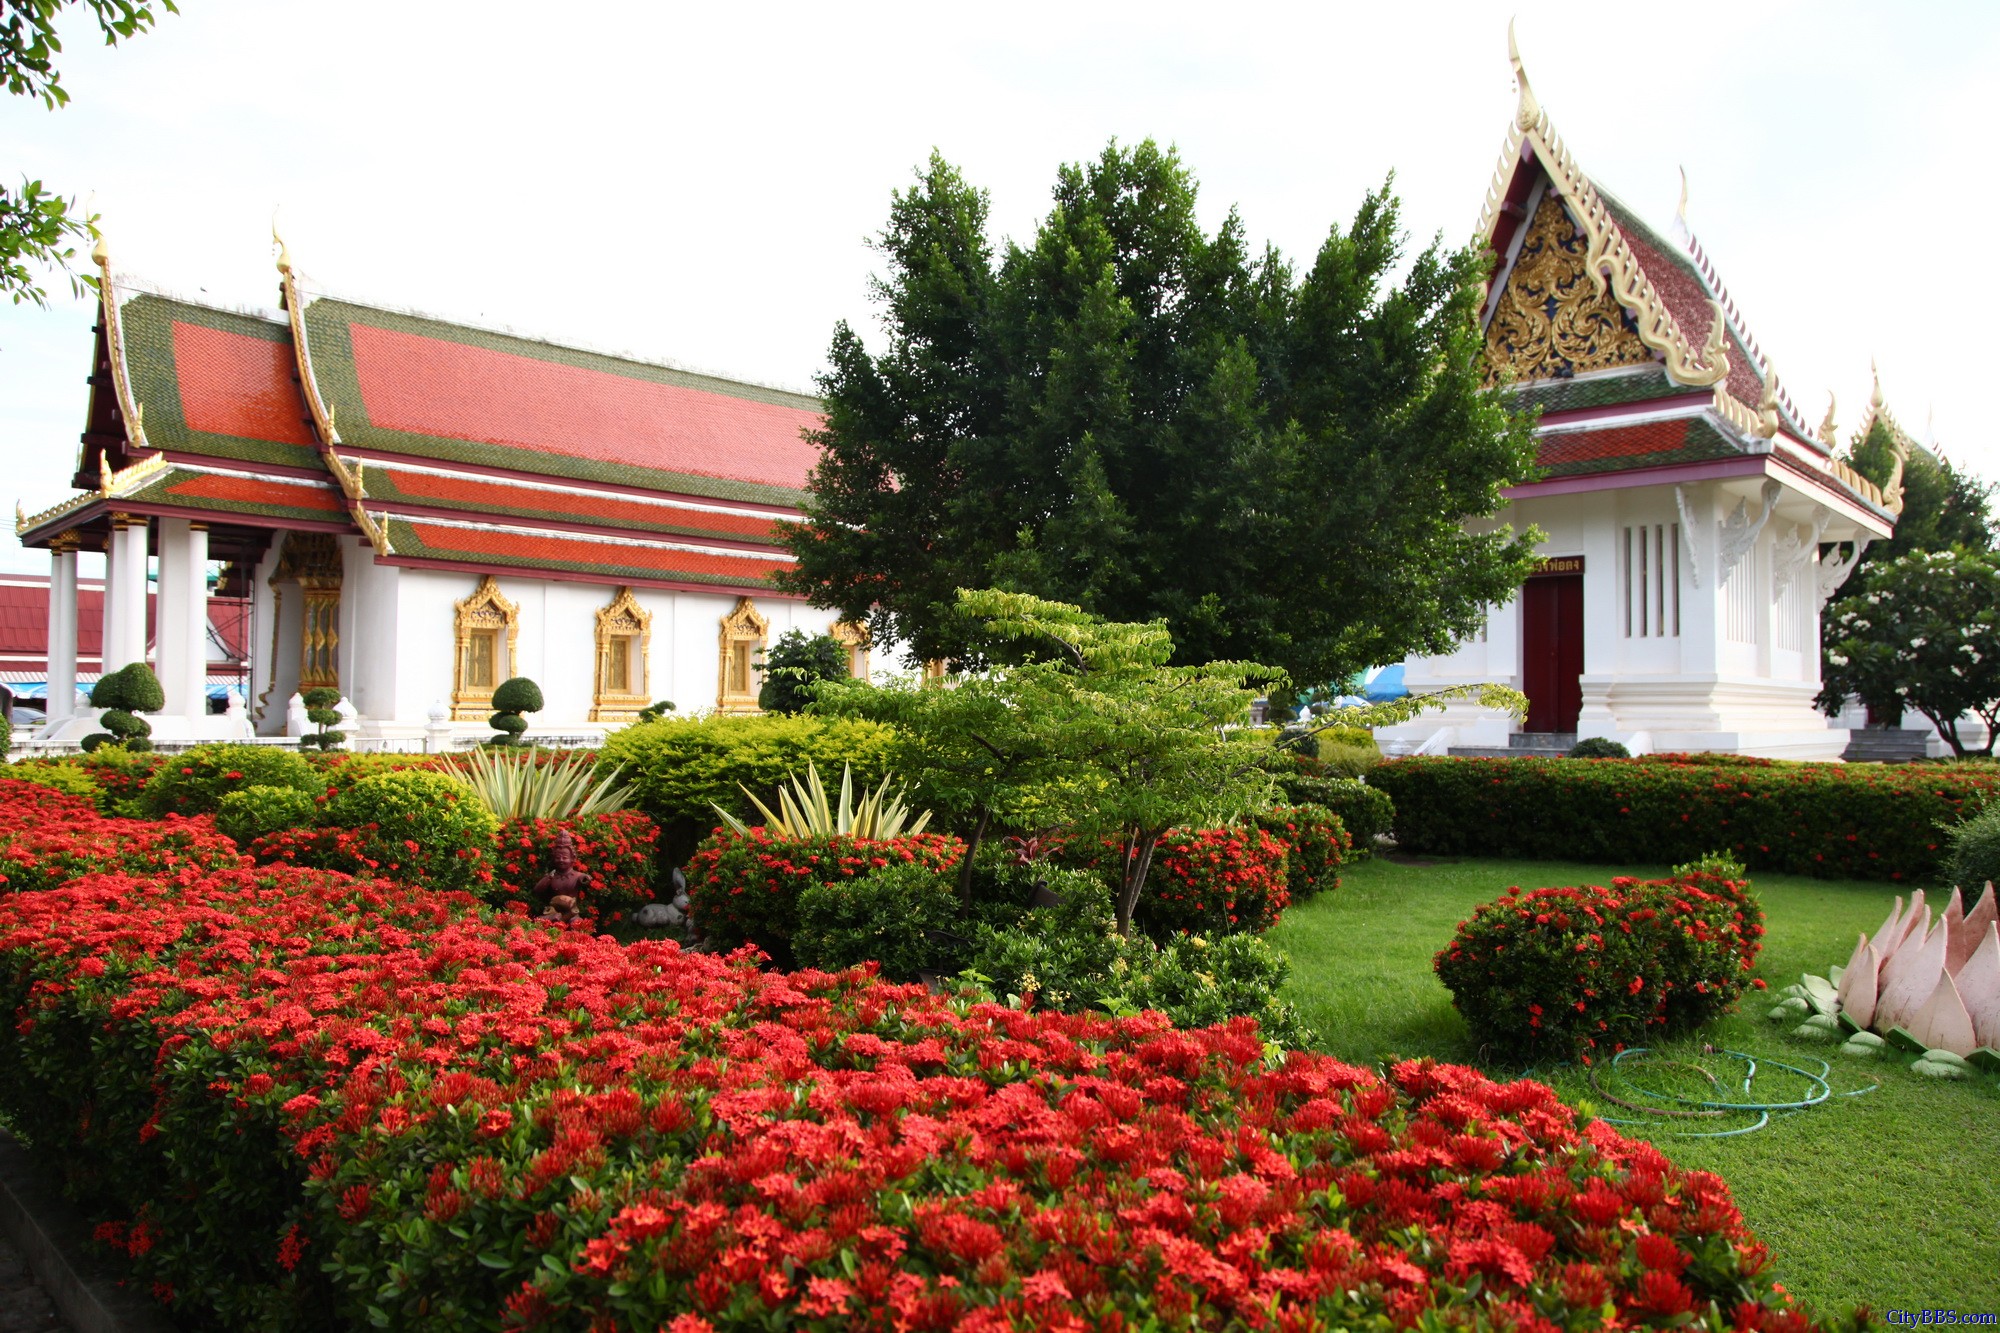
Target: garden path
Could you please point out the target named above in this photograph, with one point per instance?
(24, 1307)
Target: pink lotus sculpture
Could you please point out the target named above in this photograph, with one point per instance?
(1938, 980)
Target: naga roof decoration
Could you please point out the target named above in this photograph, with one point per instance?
(440, 444)
(1627, 342)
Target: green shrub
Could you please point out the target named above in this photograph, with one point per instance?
(1599, 747)
(743, 888)
(1349, 761)
(1365, 811)
(1317, 846)
(194, 783)
(320, 702)
(1974, 858)
(252, 812)
(425, 826)
(1197, 982)
(1354, 738)
(1836, 821)
(1298, 738)
(794, 665)
(123, 694)
(1068, 956)
(66, 778)
(6, 736)
(1582, 972)
(678, 766)
(123, 774)
(515, 696)
(1215, 882)
(894, 916)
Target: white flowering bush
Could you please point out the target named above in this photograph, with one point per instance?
(1924, 629)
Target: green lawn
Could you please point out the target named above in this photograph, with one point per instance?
(1892, 1197)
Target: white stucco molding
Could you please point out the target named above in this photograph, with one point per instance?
(1833, 571)
(1739, 532)
(1793, 553)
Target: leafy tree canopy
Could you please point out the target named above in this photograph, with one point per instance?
(795, 665)
(1942, 506)
(37, 228)
(1924, 632)
(1150, 422)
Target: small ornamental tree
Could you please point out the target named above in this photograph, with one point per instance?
(514, 697)
(795, 665)
(1926, 631)
(320, 704)
(123, 694)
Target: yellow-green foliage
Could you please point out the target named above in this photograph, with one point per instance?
(65, 778)
(805, 812)
(515, 784)
(680, 767)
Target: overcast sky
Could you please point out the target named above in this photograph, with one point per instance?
(697, 184)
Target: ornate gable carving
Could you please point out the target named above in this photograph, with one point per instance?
(1555, 319)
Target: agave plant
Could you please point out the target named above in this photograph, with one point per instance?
(805, 812)
(515, 786)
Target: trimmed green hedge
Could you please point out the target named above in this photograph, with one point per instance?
(1835, 821)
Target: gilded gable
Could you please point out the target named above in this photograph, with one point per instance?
(1554, 320)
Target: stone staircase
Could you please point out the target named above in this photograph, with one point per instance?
(1521, 745)
(1885, 745)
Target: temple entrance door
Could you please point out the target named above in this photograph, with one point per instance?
(1552, 651)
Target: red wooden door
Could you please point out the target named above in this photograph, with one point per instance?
(1552, 651)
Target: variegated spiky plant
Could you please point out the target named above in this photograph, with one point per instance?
(514, 786)
(804, 811)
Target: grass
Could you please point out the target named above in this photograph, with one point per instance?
(1892, 1197)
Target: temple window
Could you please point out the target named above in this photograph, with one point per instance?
(1649, 558)
(854, 638)
(485, 651)
(742, 640)
(624, 643)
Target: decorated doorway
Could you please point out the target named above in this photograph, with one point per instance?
(1552, 645)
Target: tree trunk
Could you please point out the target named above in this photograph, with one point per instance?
(1138, 860)
(971, 851)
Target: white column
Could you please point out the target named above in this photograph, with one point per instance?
(61, 699)
(125, 593)
(182, 618)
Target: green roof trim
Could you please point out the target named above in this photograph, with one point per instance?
(1610, 389)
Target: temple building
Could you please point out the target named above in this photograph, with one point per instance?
(415, 511)
(1695, 525)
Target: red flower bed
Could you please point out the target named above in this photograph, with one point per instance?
(48, 838)
(1859, 821)
(1216, 881)
(615, 849)
(1573, 972)
(311, 1102)
(744, 888)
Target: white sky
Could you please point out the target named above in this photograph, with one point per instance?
(697, 183)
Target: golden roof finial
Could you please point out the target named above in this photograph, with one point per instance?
(1829, 434)
(1767, 407)
(1681, 210)
(1875, 398)
(284, 251)
(1529, 111)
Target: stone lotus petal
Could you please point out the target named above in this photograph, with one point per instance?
(1890, 933)
(1910, 975)
(1979, 985)
(1857, 984)
(1967, 934)
(1941, 1022)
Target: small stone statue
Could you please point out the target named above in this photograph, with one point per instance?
(561, 909)
(565, 879)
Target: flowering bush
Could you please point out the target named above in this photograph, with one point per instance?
(388, 1106)
(1215, 881)
(1365, 811)
(1316, 846)
(66, 778)
(743, 888)
(194, 782)
(48, 838)
(1569, 972)
(321, 848)
(615, 849)
(120, 774)
(422, 826)
(1856, 821)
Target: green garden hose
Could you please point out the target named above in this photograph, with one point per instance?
(1660, 1103)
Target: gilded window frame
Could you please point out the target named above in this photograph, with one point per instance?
(486, 608)
(853, 636)
(743, 625)
(623, 618)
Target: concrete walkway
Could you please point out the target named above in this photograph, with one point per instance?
(24, 1307)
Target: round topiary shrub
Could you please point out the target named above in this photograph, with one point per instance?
(1214, 881)
(514, 697)
(1598, 747)
(251, 813)
(1576, 973)
(321, 710)
(894, 916)
(194, 782)
(419, 826)
(123, 694)
(1974, 857)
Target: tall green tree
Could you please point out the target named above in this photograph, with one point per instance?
(38, 228)
(1148, 420)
